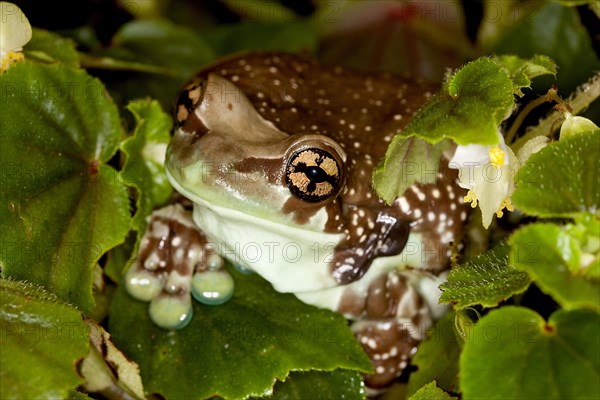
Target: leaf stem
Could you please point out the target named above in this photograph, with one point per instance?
(579, 101)
(109, 63)
(552, 95)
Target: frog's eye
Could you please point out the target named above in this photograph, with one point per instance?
(313, 174)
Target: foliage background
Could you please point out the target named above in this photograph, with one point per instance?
(149, 49)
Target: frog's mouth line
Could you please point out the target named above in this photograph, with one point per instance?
(289, 231)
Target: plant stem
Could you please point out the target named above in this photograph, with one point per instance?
(578, 102)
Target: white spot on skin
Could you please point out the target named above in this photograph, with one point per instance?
(397, 117)
(430, 215)
(417, 213)
(463, 215)
(176, 241)
(435, 193)
(403, 204)
(380, 369)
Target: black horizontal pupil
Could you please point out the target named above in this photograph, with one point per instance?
(315, 174)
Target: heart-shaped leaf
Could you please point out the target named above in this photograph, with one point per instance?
(552, 257)
(471, 105)
(527, 357)
(237, 349)
(63, 207)
(561, 180)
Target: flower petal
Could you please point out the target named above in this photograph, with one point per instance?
(15, 30)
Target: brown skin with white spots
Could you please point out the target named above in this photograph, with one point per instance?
(315, 133)
(359, 112)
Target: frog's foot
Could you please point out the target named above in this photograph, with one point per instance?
(389, 345)
(174, 262)
(375, 234)
(393, 319)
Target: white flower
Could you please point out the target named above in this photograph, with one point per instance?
(15, 32)
(488, 172)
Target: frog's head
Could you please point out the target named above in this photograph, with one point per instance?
(254, 186)
(225, 153)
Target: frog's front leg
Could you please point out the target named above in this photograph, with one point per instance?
(175, 261)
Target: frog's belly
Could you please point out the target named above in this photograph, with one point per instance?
(297, 261)
(291, 259)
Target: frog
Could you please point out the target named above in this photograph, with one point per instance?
(273, 154)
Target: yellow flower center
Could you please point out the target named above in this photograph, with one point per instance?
(11, 57)
(497, 156)
(471, 198)
(506, 203)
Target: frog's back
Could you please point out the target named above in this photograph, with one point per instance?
(361, 112)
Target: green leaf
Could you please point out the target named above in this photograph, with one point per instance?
(297, 36)
(338, 384)
(261, 10)
(515, 354)
(63, 208)
(408, 160)
(523, 71)
(437, 358)
(49, 47)
(236, 349)
(42, 340)
(145, 156)
(487, 280)
(561, 180)
(160, 44)
(431, 392)
(471, 105)
(552, 258)
(557, 32)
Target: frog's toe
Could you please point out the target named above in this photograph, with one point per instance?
(212, 287)
(171, 311)
(142, 285)
(390, 345)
